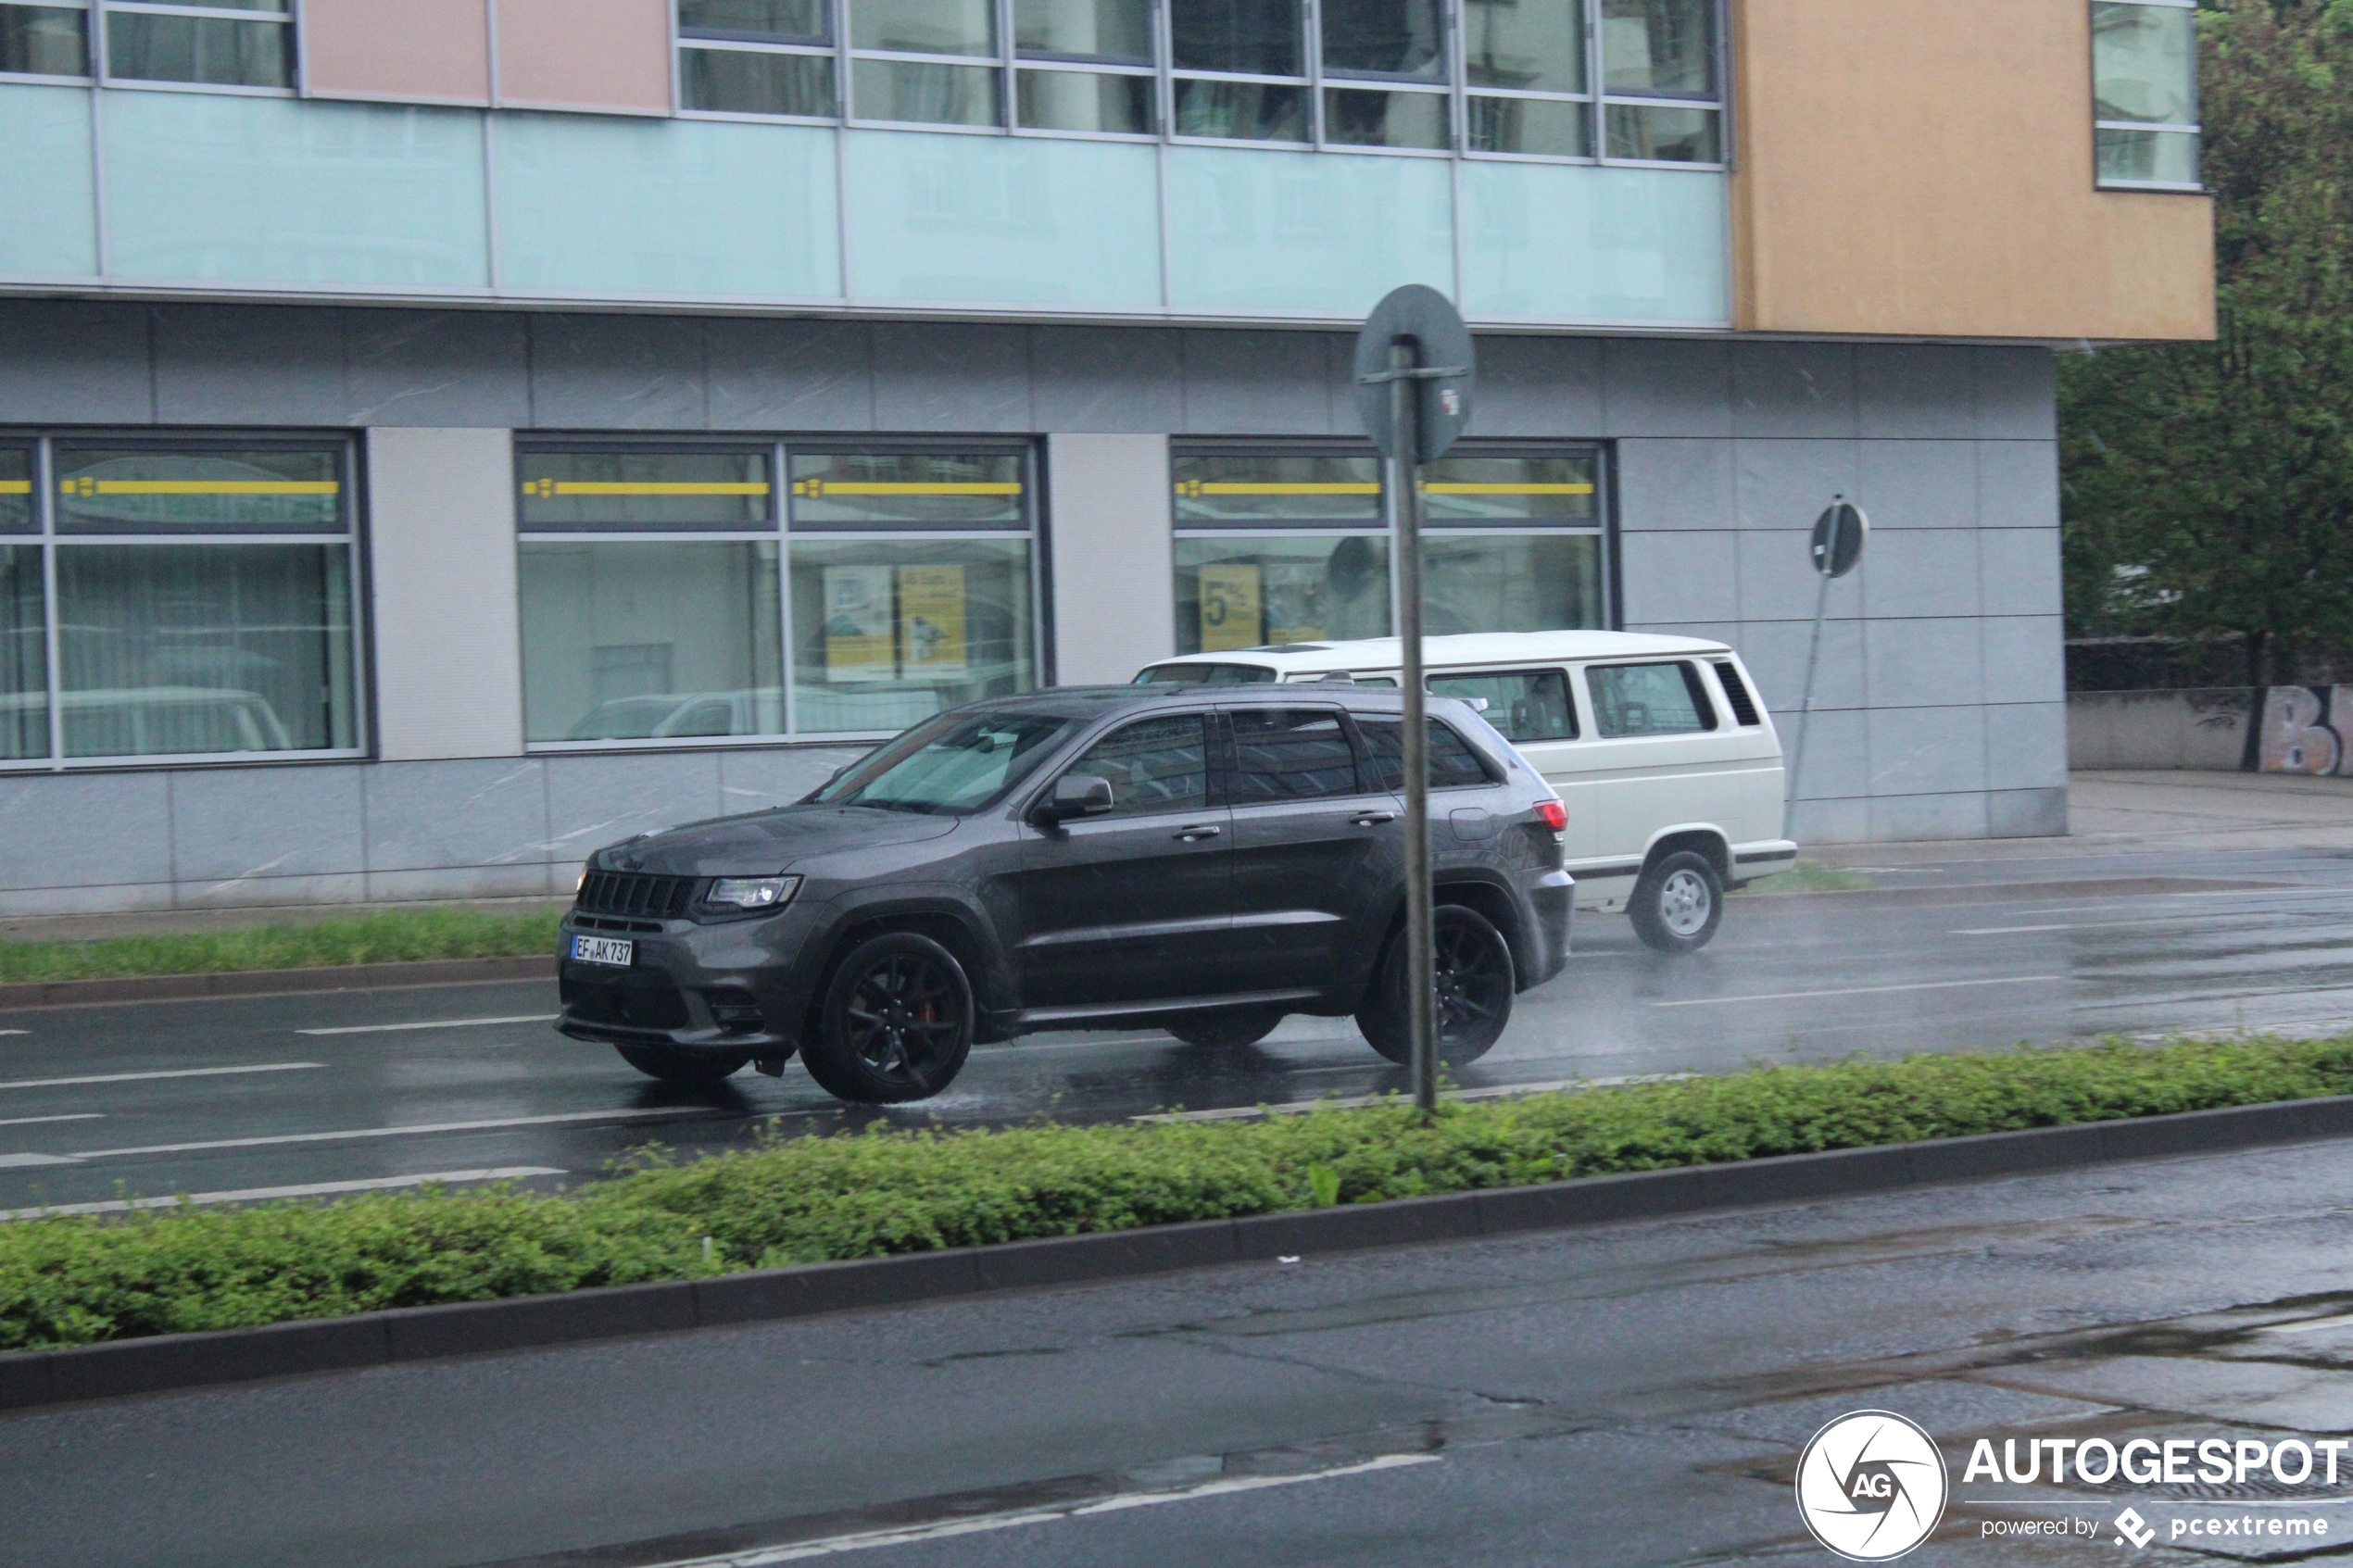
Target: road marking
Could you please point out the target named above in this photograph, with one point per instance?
(415, 1129)
(1860, 991)
(437, 1024)
(1495, 1091)
(761, 1557)
(176, 1072)
(15, 1031)
(18, 1162)
(2081, 925)
(35, 1120)
(259, 1195)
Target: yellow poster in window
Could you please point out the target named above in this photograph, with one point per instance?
(1228, 607)
(858, 643)
(931, 623)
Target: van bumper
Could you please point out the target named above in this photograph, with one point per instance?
(1763, 858)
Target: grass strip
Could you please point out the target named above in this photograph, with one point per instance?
(392, 937)
(78, 1280)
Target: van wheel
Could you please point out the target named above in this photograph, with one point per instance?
(1677, 902)
(1228, 1030)
(687, 1069)
(1476, 983)
(896, 1022)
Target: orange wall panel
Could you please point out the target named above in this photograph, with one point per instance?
(608, 54)
(416, 51)
(1924, 167)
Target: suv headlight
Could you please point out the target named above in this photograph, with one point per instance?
(752, 892)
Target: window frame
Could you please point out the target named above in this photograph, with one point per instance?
(50, 538)
(780, 530)
(2196, 129)
(89, 9)
(101, 48)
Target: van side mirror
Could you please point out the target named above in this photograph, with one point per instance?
(1075, 794)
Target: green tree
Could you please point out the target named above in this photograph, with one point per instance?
(2207, 488)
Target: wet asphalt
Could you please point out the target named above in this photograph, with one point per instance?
(354, 1090)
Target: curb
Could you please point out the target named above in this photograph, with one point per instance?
(271, 982)
(195, 1360)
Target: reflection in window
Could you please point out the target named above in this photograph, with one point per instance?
(1648, 699)
(1356, 118)
(642, 641)
(566, 491)
(1245, 37)
(1453, 764)
(1072, 100)
(1290, 754)
(1383, 38)
(1279, 589)
(886, 633)
(145, 491)
(756, 82)
(1250, 490)
(1533, 46)
(1657, 133)
(15, 490)
(889, 490)
(1240, 111)
(1095, 31)
(24, 656)
(1659, 47)
(2144, 92)
(1154, 765)
(45, 41)
(227, 47)
(1526, 705)
(1506, 582)
(1535, 127)
(1498, 490)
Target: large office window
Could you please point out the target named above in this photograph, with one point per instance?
(45, 41)
(1277, 548)
(678, 593)
(175, 599)
(1628, 80)
(215, 43)
(2145, 93)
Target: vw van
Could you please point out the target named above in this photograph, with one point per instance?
(1659, 747)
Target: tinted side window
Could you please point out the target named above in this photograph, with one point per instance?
(1453, 763)
(1154, 765)
(1524, 703)
(1648, 699)
(1291, 754)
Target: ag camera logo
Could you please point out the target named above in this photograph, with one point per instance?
(1870, 1486)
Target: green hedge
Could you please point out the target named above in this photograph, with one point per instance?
(77, 1280)
(391, 936)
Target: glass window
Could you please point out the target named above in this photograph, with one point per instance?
(755, 82)
(1509, 491)
(857, 491)
(1290, 754)
(1453, 763)
(1541, 127)
(635, 641)
(1526, 705)
(1154, 765)
(1503, 583)
(1113, 32)
(1246, 37)
(924, 93)
(2145, 63)
(1356, 118)
(24, 656)
(889, 631)
(799, 21)
(564, 492)
(1219, 490)
(1240, 111)
(205, 649)
(923, 27)
(950, 767)
(1072, 100)
(1659, 47)
(15, 490)
(45, 41)
(1206, 675)
(1260, 592)
(2147, 157)
(1655, 133)
(221, 50)
(103, 490)
(1383, 38)
(1536, 45)
(1648, 699)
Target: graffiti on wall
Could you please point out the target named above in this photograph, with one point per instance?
(2306, 730)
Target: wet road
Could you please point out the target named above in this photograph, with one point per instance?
(1629, 1395)
(273, 1095)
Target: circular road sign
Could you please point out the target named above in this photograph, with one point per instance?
(1839, 534)
(1427, 323)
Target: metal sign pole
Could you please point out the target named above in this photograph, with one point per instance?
(1805, 704)
(1839, 534)
(1404, 480)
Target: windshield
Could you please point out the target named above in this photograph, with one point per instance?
(953, 765)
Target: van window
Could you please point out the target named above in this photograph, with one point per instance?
(1206, 675)
(1736, 693)
(1648, 699)
(1524, 703)
(1453, 763)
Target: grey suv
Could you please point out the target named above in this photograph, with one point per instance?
(1202, 862)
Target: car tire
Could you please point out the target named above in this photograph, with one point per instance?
(686, 1069)
(1228, 1030)
(1677, 902)
(1476, 983)
(894, 1024)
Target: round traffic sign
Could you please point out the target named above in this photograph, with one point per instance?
(1838, 535)
(1425, 324)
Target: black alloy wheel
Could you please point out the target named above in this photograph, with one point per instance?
(1475, 984)
(1227, 1029)
(896, 1022)
(693, 1070)
(1678, 903)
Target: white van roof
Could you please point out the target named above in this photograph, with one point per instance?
(1470, 649)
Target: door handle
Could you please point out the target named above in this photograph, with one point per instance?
(1199, 831)
(1373, 819)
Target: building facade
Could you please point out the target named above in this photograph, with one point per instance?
(439, 438)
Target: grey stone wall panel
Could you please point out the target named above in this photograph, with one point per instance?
(1099, 380)
(1259, 383)
(250, 364)
(946, 376)
(1674, 482)
(1909, 483)
(1918, 572)
(75, 362)
(235, 824)
(1667, 387)
(1785, 484)
(439, 369)
(1793, 389)
(790, 375)
(617, 372)
(1919, 389)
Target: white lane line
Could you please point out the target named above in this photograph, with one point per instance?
(36, 1120)
(15, 1031)
(763, 1557)
(1860, 991)
(1353, 1102)
(437, 1023)
(2080, 925)
(176, 1072)
(413, 1130)
(262, 1195)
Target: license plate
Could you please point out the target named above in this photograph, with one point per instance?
(603, 950)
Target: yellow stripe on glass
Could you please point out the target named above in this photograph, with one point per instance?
(545, 489)
(16, 487)
(1192, 487)
(816, 487)
(1441, 487)
(198, 487)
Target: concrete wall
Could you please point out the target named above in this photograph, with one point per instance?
(2204, 729)
(1108, 505)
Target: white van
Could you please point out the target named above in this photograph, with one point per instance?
(1659, 747)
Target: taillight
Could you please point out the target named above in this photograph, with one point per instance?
(1556, 815)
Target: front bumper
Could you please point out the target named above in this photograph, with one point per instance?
(735, 986)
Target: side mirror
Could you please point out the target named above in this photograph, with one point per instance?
(1077, 795)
